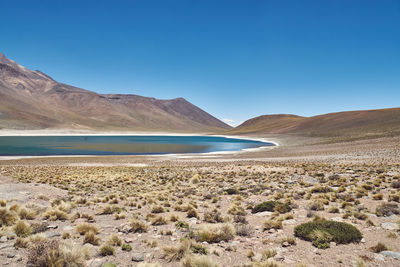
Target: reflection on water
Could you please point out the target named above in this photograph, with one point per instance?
(119, 145)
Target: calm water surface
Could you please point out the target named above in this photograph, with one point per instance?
(120, 145)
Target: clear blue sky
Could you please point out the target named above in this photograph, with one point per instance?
(234, 59)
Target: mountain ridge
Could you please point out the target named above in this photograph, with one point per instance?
(34, 100)
(344, 123)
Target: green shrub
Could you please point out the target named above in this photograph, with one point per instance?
(322, 231)
(272, 206)
(126, 247)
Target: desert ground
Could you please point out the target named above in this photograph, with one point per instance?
(307, 202)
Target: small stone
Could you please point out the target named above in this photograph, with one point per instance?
(332, 244)
(285, 244)
(52, 234)
(362, 240)
(10, 255)
(68, 228)
(53, 226)
(3, 239)
(137, 257)
(279, 257)
(129, 240)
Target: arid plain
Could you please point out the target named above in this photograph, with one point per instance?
(311, 201)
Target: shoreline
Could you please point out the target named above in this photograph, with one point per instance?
(176, 155)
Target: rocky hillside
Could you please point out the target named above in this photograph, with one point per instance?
(33, 100)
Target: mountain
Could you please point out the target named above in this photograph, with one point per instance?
(33, 100)
(349, 123)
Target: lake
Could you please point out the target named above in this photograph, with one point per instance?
(120, 145)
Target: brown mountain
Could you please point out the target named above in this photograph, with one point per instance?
(33, 100)
(349, 123)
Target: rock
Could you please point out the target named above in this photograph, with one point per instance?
(285, 244)
(279, 257)
(332, 244)
(391, 254)
(11, 255)
(129, 240)
(52, 234)
(52, 226)
(379, 257)
(264, 213)
(124, 228)
(289, 222)
(389, 226)
(193, 220)
(68, 228)
(3, 239)
(362, 240)
(137, 257)
(95, 262)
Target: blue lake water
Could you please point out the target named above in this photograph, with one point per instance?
(120, 145)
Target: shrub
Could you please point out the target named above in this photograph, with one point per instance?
(272, 206)
(192, 213)
(7, 217)
(379, 247)
(52, 253)
(22, 229)
(198, 261)
(114, 240)
(243, 229)
(138, 226)
(176, 253)
(272, 224)
(322, 231)
(213, 216)
(55, 214)
(126, 247)
(107, 250)
(387, 209)
(216, 233)
(198, 249)
(91, 238)
(268, 253)
(182, 225)
(159, 220)
(84, 228)
(232, 191)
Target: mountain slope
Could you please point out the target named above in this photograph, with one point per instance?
(349, 123)
(33, 100)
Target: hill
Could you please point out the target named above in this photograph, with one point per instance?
(33, 100)
(348, 123)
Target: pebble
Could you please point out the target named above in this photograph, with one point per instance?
(52, 234)
(68, 228)
(137, 257)
(3, 239)
(53, 226)
(10, 255)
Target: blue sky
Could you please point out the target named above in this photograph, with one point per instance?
(234, 59)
